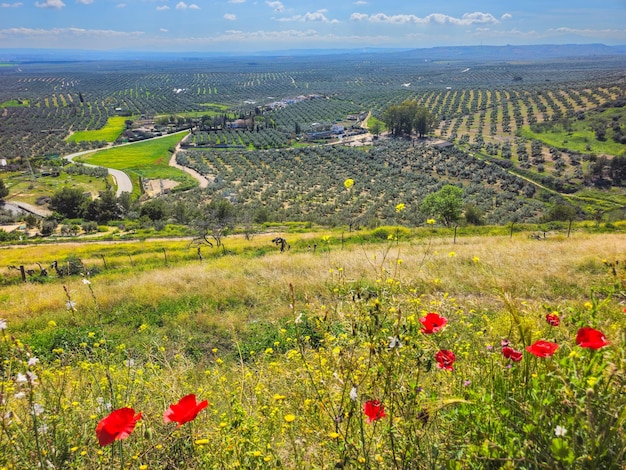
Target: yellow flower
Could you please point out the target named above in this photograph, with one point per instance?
(400, 207)
(348, 183)
(290, 418)
(591, 381)
(475, 259)
(588, 305)
(279, 397)
(201, 442)
(430, 221)
(52, 323)
(333, 435)
(143, 467)
(256, 453)
(452, 254)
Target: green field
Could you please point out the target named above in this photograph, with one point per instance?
(15, 103)
(109, 133)
(579, 135)
(149, 159)
(24, 188)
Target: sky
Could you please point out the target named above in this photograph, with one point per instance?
(265, 25)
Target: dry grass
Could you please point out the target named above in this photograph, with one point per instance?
(477, 269)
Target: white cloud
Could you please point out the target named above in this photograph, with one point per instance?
(120, 5)
(163, 30)
(67, 32)
(84, 2)
(230, 17)
(434, 18)
(11, 5)
(162, 8)
(317, 16)
(360, 2)
(184, 6)
(278, 6)
(506, 16)
(236, 1)
(50, 4)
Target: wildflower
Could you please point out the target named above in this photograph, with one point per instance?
(374, 410)
(3, 324)
(542, 348)
(21, 378)
(560, 431)
(279, 397)
(452, 254)
(185, 410)
(129, 362)
(400, 207)
(19, 395)
(32, 361)
(589, 338)
(445, 358)
(553, 319)
(201, 442)
(394, 342)
(37, 409)
(353, 394)
(290, 418)
(430, 221)
(71, 305)
(432, 322)
(512, 354)
(504, 342)
(117, 426)
(86, 281)
(52, 324)
(348, 183)
(475, 259)
(467, 383)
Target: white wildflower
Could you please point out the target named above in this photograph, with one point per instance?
(21, 378)
(33, 361)
(560, 431)
(3, 324)
(37, 409)
(19, 395)
(86, 281)
(353, 395)
(71, 305)
(394, 342)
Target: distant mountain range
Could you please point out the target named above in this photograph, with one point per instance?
(483, 53)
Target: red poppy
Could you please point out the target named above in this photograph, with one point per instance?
(374, 410)
(117, 426)
(590, 338)
(542, 348)
(512, 354)
(432, 322)
(185, 410)
(445, 359)
(553, 319)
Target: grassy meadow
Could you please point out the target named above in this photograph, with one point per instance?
(318, 357)
(579, 135)
(148, 159)
(23, 187)
(109, 133)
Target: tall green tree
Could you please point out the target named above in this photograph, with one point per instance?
(445, 205)
(4, 191)
(69, 202)
(407, 117)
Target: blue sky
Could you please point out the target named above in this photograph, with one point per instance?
(257, 25)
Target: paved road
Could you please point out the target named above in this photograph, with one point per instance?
(123, 182)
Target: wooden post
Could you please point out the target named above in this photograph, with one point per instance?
(105, 262)
(23, 273)
(132, 264)
(455, 227)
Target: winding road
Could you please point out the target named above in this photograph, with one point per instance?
(122, 180)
